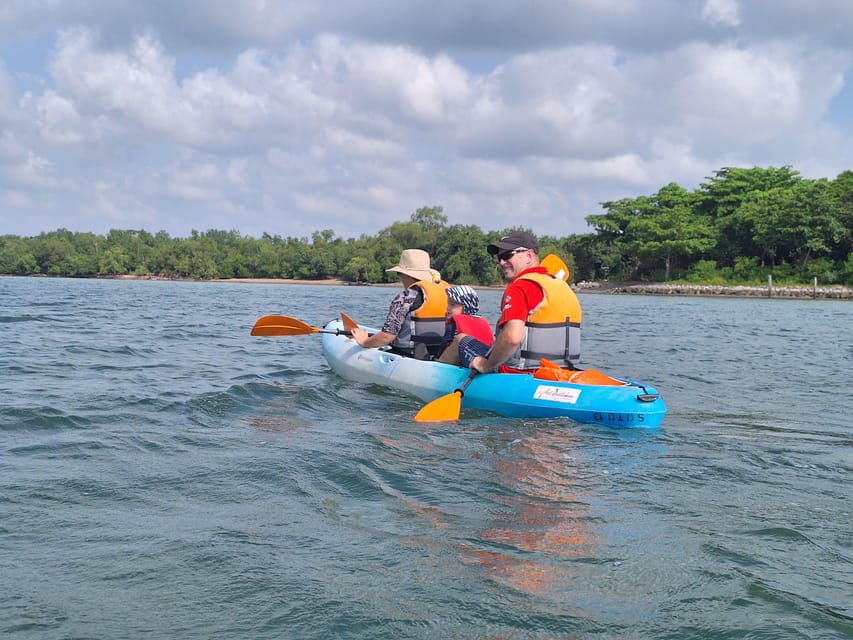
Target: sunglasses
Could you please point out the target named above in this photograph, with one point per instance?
(506, 255)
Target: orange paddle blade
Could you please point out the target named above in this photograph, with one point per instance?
(555, 266)
(446, 407)
(443, 409)
(282, 326)
(349, 323)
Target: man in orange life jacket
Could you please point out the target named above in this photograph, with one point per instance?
(540, 314)
(416, 314)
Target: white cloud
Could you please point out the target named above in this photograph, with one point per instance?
(742, 95)
(32, 171)
(21, 168)
(288, 117)
(136, 83)
(721, 11)
(747, 105)
(15, 200)
(195, 181)
(567, 101)
(419, 88)
(355, 144)
(104, 201)
(487, 176)
(10, 148)
(628, 169)
(8, 92)
(59, 121)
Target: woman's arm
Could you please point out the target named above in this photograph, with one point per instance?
(379, 339)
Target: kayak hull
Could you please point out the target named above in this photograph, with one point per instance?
(630, 405)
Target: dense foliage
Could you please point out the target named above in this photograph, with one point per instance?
(740, 226)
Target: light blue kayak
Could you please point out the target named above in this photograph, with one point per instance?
(623, 403)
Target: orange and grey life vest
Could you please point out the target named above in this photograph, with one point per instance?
(553, 328)
(426, 323)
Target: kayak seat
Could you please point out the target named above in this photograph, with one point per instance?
(422, 352)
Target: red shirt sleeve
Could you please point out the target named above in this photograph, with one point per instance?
(521, 297)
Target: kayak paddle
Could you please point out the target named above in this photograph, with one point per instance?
(349, 323)
(447, 407)
(287, 326)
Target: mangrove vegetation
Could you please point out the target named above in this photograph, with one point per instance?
(739, 227)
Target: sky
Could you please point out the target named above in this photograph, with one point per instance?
(298, 116)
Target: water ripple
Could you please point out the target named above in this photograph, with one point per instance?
(164, 474)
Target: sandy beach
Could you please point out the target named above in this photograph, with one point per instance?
(328, 281)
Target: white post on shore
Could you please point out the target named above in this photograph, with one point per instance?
(814, 290)
(769, 286)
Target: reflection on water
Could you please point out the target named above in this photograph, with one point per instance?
(542, 516)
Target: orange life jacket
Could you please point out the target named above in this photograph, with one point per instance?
(426, 323)
(553, 328)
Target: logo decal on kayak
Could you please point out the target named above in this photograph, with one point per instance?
(556, 394)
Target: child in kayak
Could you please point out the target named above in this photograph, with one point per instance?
(466, 333)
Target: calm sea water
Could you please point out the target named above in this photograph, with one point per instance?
(165, 475)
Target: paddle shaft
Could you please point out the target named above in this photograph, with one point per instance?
(471, 376)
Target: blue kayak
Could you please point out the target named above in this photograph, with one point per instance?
(617, 402)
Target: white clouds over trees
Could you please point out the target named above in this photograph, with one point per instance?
(280, 117)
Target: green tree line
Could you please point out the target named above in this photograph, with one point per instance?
(738, 227)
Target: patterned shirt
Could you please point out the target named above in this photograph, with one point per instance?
(402, 303)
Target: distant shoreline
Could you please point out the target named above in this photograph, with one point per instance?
(791, 292)
(801, 292)
(659, 289)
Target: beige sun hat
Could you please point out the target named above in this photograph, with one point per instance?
(415, 264)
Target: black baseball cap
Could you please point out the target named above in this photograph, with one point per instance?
(514, 240)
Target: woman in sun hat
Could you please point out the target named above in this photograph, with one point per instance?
(416, 315)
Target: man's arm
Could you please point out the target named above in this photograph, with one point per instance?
(506, 344)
